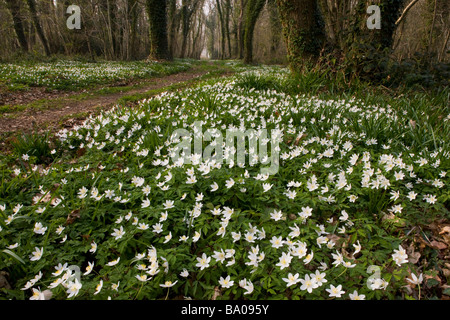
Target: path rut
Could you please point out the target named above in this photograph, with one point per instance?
(50, 118)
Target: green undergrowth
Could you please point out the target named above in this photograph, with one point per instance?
(68, 75)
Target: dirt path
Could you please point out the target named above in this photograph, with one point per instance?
(51, 117)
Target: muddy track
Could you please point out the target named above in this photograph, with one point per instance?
(57, 117)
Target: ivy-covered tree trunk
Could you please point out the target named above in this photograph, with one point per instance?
(14, 8)
(159, 44)
(390, 12)
(254, 8)
(367, 49)
(275, 26)
(379, 38)
(302, 31)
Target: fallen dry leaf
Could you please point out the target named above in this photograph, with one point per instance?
(436, 277)
(216, 294)
(75, 214)
(334, 238)
(446, 272)
(438, 245)
(413, 256)
(81, 152)
(41, 198)
(3, 281)
(297, 141)
(445, 233)
(85, 236)
(392, 217)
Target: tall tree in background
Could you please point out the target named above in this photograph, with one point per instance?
(240, 29)
(211, 27)
(254, 8)
(198, 35)
(159, 44)
(227, 13)
(108, 10)
(275, 26)
(224, 9)
(133, 16)
(173, 22)
(14, 8)
(113, 30)
(38, 26)
(222, 28)
(302, 31)
(188, 10)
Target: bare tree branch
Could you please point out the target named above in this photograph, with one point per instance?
(408, 7)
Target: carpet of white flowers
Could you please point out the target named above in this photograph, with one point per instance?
(76, 74)
(115, 218)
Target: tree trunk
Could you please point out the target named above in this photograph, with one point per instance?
(173, 21)
(222, 29)
(188, 10)
(37, 25)
(133, 15)
(357, 29)
(240, 30)
(275, 26)
(108, 9)
(196, 36)
(301, 30)
(185, 25)
(390, 12)
(159, 45)
(227, 25)
(110, 5)
(366, 50)
(254, 8)
(210, 26)
(14, 8)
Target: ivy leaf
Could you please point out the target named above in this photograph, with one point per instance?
(446, 292)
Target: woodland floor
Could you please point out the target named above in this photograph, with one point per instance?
(422, 232)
